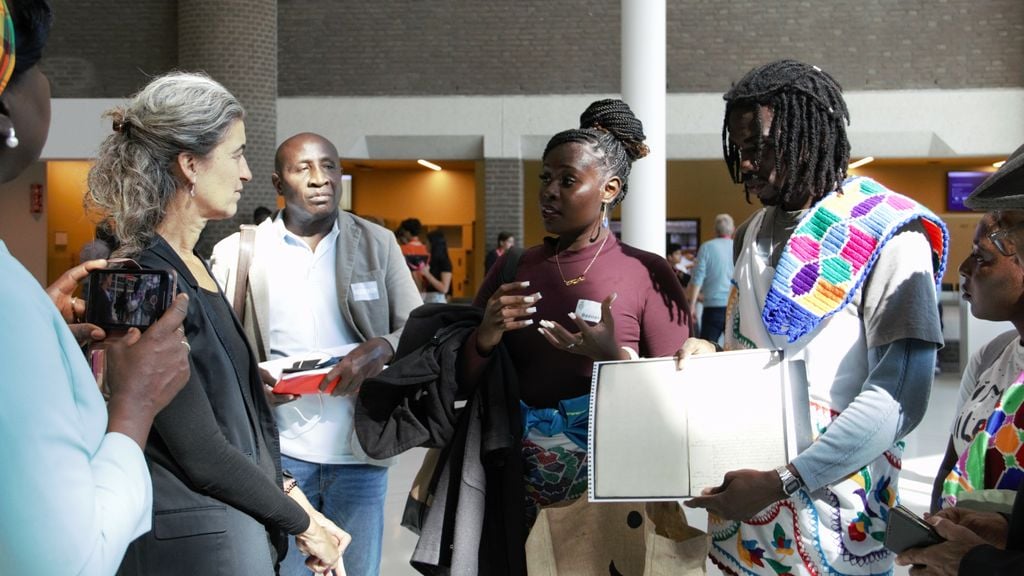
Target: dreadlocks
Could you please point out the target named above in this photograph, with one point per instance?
(808, 128)
(614, 134)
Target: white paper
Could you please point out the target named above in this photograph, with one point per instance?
(362, 291)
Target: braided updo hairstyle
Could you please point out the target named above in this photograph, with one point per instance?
(614, 134)
(135, 174)
(808, 128)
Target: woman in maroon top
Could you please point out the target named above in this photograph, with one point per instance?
(581, 295)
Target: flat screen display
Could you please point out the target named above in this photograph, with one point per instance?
(959, 186)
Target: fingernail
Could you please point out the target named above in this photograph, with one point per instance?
(546, 323)
(537, 295)
(614, 296)
(531, 310)
(528, 322)
(572, 315)
(529, 299)
(524, 284)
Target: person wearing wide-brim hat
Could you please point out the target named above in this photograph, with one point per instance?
(976, 542)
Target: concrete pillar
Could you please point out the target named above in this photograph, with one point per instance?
(235, 42)
(643, 88)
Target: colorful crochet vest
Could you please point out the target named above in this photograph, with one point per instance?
(833, 249)
(995, 457)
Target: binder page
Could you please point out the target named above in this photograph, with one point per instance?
(736, 414)
(638, 431)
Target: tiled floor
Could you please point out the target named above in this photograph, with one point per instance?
(924, 452)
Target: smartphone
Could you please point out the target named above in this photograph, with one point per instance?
(906, 530)
(118, 299)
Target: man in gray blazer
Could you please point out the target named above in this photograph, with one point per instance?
(324, 281)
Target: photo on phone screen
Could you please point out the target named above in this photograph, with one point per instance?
(118, 299)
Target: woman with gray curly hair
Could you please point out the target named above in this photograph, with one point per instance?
(175, 161)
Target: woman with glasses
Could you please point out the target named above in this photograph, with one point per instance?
(983, 460)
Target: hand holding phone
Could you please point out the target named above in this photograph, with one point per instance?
(906, 530)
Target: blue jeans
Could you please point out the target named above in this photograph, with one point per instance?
(712, 323)
(352, 496)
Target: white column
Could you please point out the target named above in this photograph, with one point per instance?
(643, 88)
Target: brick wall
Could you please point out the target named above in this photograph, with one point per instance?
(411, 47)
(106, 48)
(235, 42)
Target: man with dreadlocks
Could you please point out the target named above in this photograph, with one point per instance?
(841, 274)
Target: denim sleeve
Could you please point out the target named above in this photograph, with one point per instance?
(890, 404)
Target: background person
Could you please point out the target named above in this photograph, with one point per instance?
(712, 279)
(76, 486)
(322, 279)
(864, 321)
(175, 161)
(505, 242)
(437, 276)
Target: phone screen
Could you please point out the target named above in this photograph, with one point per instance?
(121, 299)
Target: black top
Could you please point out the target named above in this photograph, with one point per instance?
(439, 264)
(216, 442)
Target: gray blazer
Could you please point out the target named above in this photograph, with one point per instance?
(366, 253)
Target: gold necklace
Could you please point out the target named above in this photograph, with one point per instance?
(581, 277)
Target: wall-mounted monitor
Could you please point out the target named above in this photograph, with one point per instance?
(959, 186)
(682, 231)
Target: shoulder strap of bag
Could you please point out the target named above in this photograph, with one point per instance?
(246, 243)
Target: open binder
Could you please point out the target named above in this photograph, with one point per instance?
(657, 433)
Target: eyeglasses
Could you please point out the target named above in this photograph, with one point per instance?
(1004, 240)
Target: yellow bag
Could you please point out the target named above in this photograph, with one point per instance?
(617, 538)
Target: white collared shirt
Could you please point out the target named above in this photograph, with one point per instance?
(305, 318)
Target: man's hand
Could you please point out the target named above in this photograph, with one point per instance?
(741, 495)
(942, 559)
(274, 400)
(146, 371)
(365, 361)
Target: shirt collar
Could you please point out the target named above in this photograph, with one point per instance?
(288, 237)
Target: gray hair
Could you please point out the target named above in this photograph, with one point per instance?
(724, 225)
(134, 177)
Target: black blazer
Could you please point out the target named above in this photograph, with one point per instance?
(214, 450)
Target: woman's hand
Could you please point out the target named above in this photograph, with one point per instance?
(505, 311)
(343, 538)
(323, 548)
(691, 347)
(596, 342)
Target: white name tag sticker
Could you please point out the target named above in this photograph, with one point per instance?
(589, 310)
(363, 291)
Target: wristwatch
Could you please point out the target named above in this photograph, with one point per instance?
(790, 483)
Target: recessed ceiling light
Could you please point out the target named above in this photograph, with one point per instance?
(861, 162)
(430, 165)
